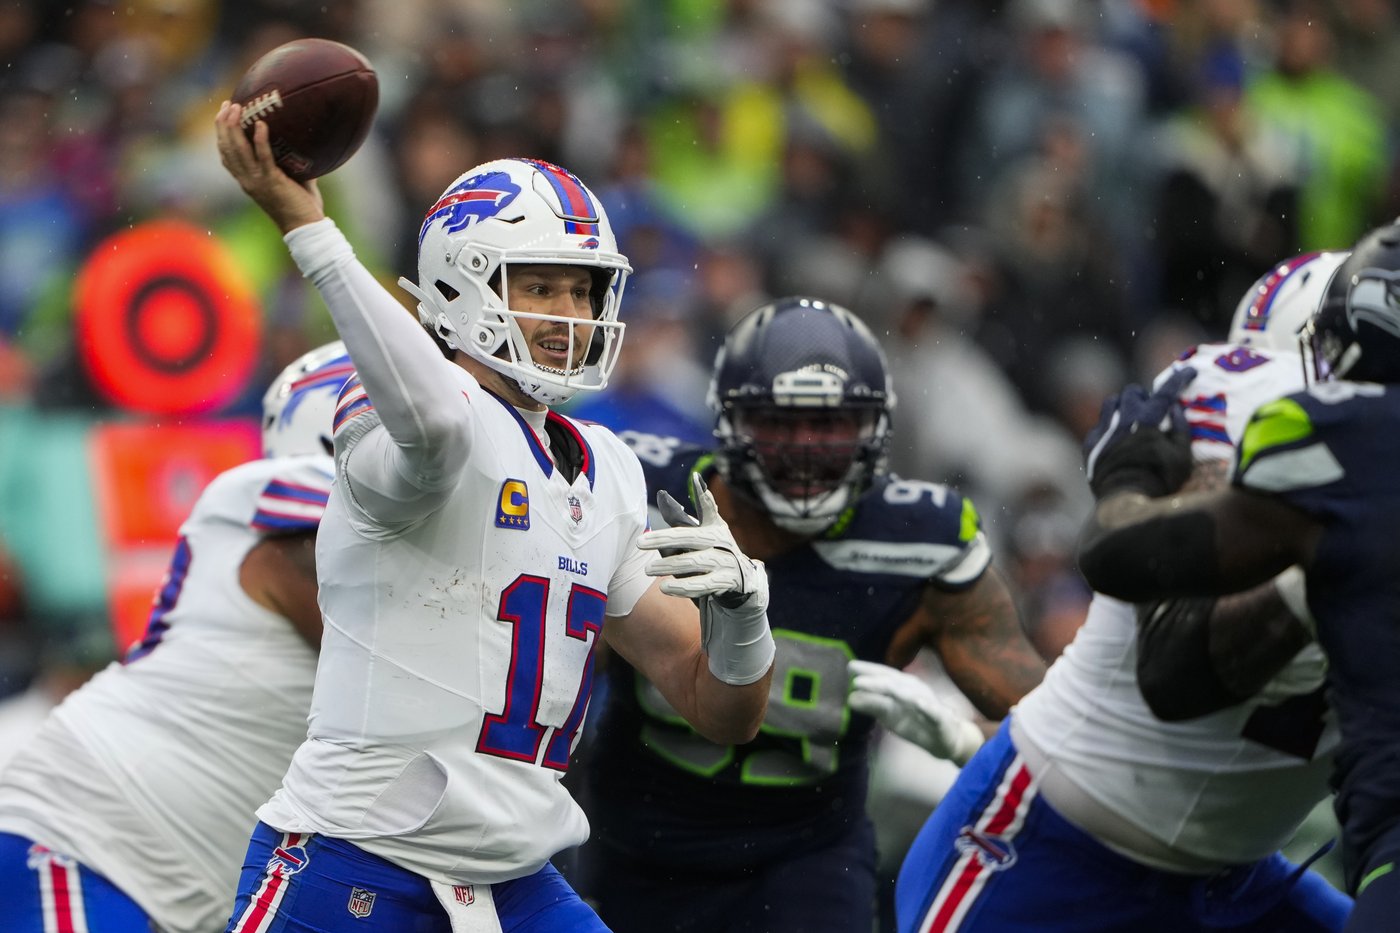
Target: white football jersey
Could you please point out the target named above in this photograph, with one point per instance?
(150, 773)
(471, 630)
(1231, 382)
(1229, 787)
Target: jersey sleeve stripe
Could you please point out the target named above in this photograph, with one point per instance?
(266, 520)
(285, 506)
(353, 402)
(1209, 431)
(1207, 403)
(280, 489)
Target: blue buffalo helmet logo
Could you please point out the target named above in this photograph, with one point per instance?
(478, 198)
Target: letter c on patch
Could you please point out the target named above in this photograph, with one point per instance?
(515, 500)
(513, 506)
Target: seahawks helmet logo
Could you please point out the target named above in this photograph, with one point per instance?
(1374, 300)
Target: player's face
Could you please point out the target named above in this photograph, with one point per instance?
(558, 290)
(806, 453)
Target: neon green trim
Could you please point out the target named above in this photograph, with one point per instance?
(1375, 873)
(790, 678)
(971, 521)
(659, 747)
(751, 770)
(698, 469)
(1279, 422)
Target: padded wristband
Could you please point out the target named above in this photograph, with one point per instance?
(737, 639)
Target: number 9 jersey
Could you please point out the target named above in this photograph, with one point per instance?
(663, 795)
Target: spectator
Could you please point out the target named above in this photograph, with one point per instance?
(1226, 204)
(1335, 130)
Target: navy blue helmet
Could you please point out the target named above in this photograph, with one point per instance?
(802, 399)
(1355, 334)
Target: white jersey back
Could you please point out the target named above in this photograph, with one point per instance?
(474, 631)
(150, 773)
(1230, 787)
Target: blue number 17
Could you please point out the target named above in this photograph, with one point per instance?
(515, 732)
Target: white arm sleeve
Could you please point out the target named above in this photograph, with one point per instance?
(397, 479)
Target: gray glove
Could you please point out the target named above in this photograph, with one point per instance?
(701, 561)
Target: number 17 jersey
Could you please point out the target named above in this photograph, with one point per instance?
(456, 665)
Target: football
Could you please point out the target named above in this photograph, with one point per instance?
(318, 99)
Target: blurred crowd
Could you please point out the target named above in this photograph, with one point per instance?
(1032, 201)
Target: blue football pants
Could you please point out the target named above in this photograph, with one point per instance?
(315, 884)
(47, 892)
(994, 857)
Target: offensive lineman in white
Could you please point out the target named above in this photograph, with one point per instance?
(475, 547)
(1150, 779)
(129, 810)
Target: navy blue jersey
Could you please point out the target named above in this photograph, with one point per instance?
(660, 792)
(1331, 452)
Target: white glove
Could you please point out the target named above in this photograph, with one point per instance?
(703, 563)
(908, 707)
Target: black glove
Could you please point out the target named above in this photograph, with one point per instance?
(1142, 440)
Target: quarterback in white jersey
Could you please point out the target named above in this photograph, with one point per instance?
(476, 547)
(1196, 806)
(130, 809)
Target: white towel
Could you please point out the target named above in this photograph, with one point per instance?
(470, 907)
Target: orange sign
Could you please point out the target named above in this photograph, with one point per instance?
(166, 323)
(147, 478)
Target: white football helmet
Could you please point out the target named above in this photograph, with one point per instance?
(299, 406)
(518, 211)
(1276, 307)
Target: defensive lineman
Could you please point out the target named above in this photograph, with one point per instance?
(696, 836)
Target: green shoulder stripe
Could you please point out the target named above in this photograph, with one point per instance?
(1279, 422)
(967, 530)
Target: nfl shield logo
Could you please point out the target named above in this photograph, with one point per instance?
(575, 509)
(465, 894)
(361, 903)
